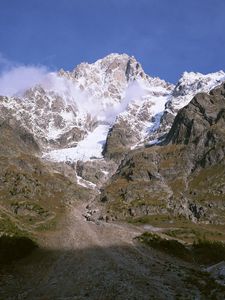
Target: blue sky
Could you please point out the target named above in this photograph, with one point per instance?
(166, 36)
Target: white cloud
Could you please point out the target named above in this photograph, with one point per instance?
(17, 79)
(87, 103)
(4, 62)
(134, 92)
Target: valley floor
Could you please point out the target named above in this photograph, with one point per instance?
(85, 260)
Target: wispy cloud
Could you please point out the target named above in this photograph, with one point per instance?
(5, 62)
(16, 78)
(19, 79)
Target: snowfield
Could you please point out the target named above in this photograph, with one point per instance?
(90, 147)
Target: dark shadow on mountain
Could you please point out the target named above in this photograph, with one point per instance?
(15, 247)
(102, 143)
(99, 273)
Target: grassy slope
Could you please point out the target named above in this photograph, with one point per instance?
(34, 194)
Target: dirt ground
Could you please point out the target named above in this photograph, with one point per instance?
(100, 261)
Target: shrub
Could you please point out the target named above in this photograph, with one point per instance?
(168, 246)
(16, 247)
(202, 252)
(208, 252)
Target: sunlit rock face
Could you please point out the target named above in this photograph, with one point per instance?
(110, 106)
(183, 175)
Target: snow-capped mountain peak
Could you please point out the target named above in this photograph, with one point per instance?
(112, 93)
(190, 84)
(108, 77)
(66, 106)
(119, 87)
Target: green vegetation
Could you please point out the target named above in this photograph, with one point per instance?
(29, 206)
(15, 243)
(159, 220)
(207, 286)
(208, 252)
(10, 228)
(169, 246)
(15, 247)
(195, 232)
(178, 227)
(202, 251)
(48, 225)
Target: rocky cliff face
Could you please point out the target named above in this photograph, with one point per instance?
(189, 85)
(148, 121)
(184, 176)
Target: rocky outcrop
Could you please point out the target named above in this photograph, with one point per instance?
(135, 125)
(119, 141)
(149, 120)
(15, 138)
(203, 112)
(97, 172)
(184, 176)
(46, 115)
(189, 85)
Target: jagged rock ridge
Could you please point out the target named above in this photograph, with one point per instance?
(182, 177)
(113, 96)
